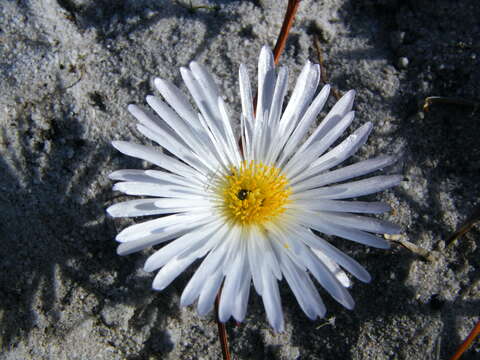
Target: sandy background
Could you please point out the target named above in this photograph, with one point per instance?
(68, 68)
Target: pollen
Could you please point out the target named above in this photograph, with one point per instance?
(253, 193)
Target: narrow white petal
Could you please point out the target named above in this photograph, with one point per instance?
(247, 108)
(304, 181)
(362, 223)
(134, 175)
(334, 268)
(179, 150)
(165, 223)
(241, 300)
(319, 244)
(156, 238)
(233, 280)
(177, 101)
(141, 207)
(278, 96)
(351, 189)
(160, 190)
(336, 114)
(155, 157)
(302, 95)
(191, 134)
(211, 265)
(194, 239)
(328, 281)
(304, 124)
(151, 121)
(197, 182)
(302, 287)
(347, 147)
(315, 222)
(209, 292)
(266, 83)
(271, 300)
(374, 207)
(303, 159)
(170, 272)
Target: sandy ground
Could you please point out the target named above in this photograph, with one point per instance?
(68, 68)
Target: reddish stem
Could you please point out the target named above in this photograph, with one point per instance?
(468, 341)
(285, 30)
(222, 331)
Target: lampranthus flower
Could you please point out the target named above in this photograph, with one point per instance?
(251, 210)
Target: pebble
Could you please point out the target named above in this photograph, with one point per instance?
(403, 62)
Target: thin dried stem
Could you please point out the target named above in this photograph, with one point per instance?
(427, 255)
(469, 223)
(449, 100)
(323, 71)
(468, 341)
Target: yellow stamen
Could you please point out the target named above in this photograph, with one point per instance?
(253, 193)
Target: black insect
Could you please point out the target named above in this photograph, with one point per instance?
(243, 194)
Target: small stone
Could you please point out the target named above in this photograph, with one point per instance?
(403, 62)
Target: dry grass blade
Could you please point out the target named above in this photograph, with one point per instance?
(324, 77)
(469, 223)
(450, 101)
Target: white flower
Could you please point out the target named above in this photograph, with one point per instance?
(250, 211)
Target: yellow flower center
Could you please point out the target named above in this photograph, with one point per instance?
(253, 193)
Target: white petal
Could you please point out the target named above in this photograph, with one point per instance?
(361, 222)
(302, 94)
(233, 280)
(281, 85)
(209, 292)
(141, 207)
(344, 173)
(266, 83)
(177, 101)
(179, 150)
(303, 159)
(211, 265)
(302, 287)
(247, 110)
(194, 239)
(326, 279)
(349, 264)
(347, 147)
(160, 190)
(134, 175)
(155, 157)
(271, 300)
(165, 223)
(197, 182)
(170, 271)
(334, 268)
(305, 123)
(336, 114)
(352, 189)
(315, 221)
(192, 134)
(374, 207)
(241, 300)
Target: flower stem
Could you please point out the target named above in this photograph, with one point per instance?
(222, 331)
(292, 8)
(468, 341)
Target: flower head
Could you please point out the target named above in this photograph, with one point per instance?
(248, 203)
